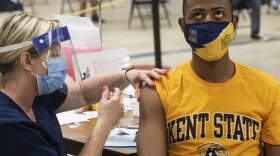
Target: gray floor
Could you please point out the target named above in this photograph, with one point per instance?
(261, 55)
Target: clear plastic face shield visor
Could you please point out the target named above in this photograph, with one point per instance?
(56, 52)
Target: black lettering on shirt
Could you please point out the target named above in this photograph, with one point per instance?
(224, 126)
(171, 136)
(191, 127)
(255, 129)
(218, 126)
(229, 118)
(180, 123)
(238, 130)
(203, 117)
(248, 123)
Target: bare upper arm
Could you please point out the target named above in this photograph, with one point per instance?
(271, 150)
(74, 99)
(152, 131)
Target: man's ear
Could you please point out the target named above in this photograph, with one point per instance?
(235, 20)
(25, 59)
(181, 22)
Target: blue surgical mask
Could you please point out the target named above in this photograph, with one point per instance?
(55, 78)
(210, 40)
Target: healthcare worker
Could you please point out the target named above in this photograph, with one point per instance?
(34, 87)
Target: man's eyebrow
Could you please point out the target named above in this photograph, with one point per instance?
(197, 9)
(219, 8)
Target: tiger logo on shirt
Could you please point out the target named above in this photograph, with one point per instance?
(211, 149)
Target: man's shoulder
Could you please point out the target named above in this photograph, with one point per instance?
(173, 75)
(178, 71)
(256, 76)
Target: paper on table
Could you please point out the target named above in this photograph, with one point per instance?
(92, 64)
(91, 114)
(70, 117)
(121, 141)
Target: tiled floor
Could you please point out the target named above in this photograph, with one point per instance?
(258, 54)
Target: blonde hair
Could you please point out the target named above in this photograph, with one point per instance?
(16, 29)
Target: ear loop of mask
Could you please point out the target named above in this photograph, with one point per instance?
(44, 61)
(49, 51)
(232, 17)
(45, 66)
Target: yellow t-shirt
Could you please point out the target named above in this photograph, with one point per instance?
(228, 118)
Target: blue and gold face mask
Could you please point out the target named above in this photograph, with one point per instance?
(210, 40)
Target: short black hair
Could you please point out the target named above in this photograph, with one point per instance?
(184, 6)
(185, 3)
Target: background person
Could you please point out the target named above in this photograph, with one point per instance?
(255, 13)
(94, 14)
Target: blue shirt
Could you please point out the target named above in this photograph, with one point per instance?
(21, 136)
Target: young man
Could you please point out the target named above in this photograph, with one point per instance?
(210, 105)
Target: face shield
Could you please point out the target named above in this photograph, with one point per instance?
(56, 52)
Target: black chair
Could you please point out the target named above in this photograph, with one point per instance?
(242, 6)
(243, 10)
(9, 6)
(71, 9)
(146, 3)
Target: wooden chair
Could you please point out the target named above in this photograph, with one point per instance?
(146, 3)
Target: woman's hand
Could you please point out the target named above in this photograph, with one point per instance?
(137, 76)
(110, 108)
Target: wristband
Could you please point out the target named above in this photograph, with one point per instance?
(128, 69)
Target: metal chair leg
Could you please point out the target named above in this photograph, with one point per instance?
(131, 14)
(268, 8)
(70, 6)
(141, 17)
(167, 15)
(62, 7)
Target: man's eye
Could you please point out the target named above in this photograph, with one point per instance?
(197, 15)
(219, 14)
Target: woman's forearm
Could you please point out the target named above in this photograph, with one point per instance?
(92, 87)
(96, 141)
